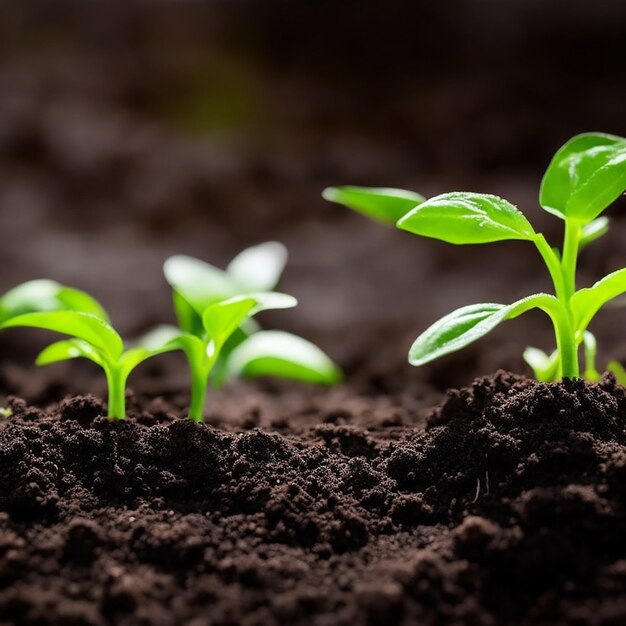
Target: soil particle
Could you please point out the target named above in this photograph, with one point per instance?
(508, 507)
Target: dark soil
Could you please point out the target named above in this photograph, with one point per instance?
(507, 507)
(129, 133)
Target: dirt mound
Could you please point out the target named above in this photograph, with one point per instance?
(508, 506)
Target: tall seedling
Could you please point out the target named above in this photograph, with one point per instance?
(585, 176)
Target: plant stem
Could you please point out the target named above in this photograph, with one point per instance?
(566, 345)
(563, 274)
(116, 381)
(570, 255)
(199, 385)
(554, 267)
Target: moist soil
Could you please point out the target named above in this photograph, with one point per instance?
(507, 505)
(382, 501)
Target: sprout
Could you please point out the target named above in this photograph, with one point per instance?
(92, 337)
(217, 332)
(215, 311)
(585, 176)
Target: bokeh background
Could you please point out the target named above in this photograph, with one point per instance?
(132, 131)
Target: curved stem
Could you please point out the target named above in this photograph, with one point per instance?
(554, 267)
(566, 341)
(563, 274)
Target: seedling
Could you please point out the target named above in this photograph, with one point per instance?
(220, 337)
(5, 412)
(585, 176)
(91, 335)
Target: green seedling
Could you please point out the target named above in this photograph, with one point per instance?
(263, 353)
(5, 412)
(91, 335)
(201, 291)
(585, 176)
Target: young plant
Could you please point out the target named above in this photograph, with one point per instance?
(585, 176)
(91, 336)
(205, 295)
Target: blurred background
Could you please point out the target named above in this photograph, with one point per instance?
(132, 131)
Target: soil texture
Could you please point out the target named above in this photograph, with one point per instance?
(506, 506)
(202, 128)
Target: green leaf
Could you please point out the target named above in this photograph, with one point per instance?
(276, 353)
(586, 175)
(135, 356)
(590, 350)
(34, 295)
(593, 230)
(222, 319)
(47, 295)
(157, 341)
(156, 338)
(199, 283)
(469, 323)
(66, 350)
(258, 268)
(219, 373)
(463, 218)
(77, 300)
(189, 320)
(379, 203)
(192, 346)
(545, 367)
(585, 303)
(272, 300)
(86, 326)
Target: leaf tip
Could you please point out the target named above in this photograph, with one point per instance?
(331, 194)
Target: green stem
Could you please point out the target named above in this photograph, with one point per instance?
(563, 274)
(116, 381)
(199, 385)
(571, 244)
(566, 345)
(554, 267)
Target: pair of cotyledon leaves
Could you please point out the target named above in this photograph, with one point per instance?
(246, 350)
(585, 176)
(214, 302)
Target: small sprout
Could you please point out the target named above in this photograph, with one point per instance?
(93, 338)
(585, 176)
(215, 311)
(5, 412)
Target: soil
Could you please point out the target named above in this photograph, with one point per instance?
(386, 500)
(506, 506)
